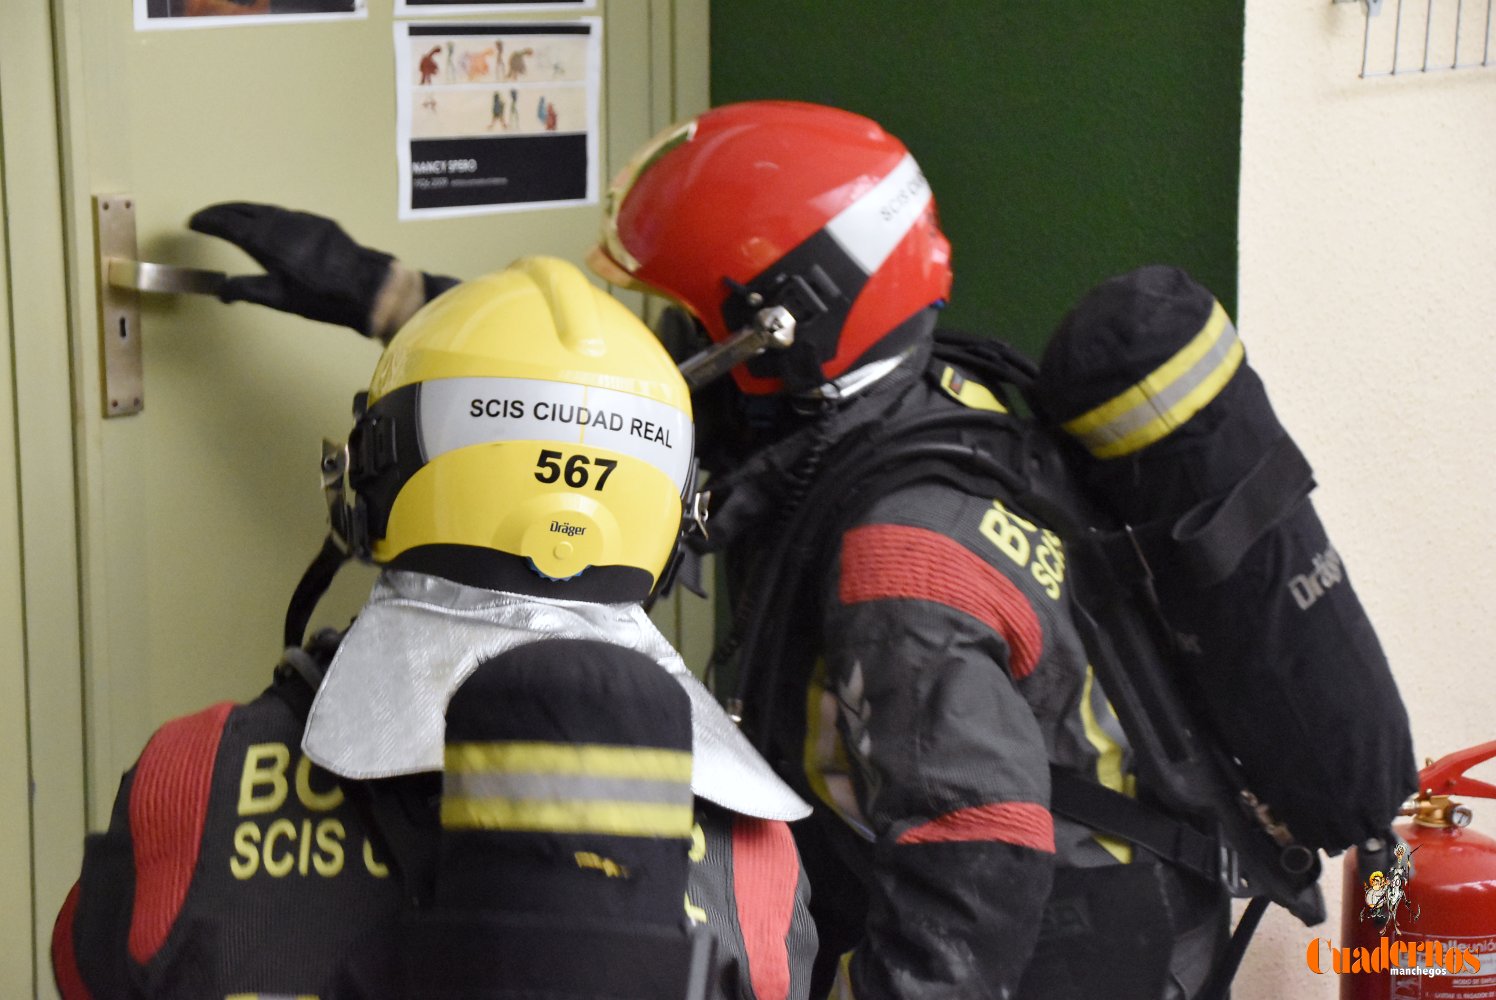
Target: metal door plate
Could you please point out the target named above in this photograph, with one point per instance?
(119, 308)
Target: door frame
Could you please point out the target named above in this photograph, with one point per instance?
(42, 732)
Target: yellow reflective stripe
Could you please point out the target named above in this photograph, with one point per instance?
(1167, 397)
(596, 760)
(970, 394)
(841, 988)
(548, 784)
(1108, 766)
(821, 744)
(623, 819)
(827, 768)
(694, 913)
(596, 862)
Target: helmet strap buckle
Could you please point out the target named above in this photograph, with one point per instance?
(806, 300)
(803, 295)
(772, 327)
(695, 507)
(347, 519)
(697, 511)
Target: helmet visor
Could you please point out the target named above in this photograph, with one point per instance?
(601, 263)
(611, 260)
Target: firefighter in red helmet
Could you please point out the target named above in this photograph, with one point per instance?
(932, 679)
(935, 676)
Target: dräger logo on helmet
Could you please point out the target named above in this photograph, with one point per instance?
(569, 530)
(1326, 571)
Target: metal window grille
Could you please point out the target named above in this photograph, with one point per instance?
(1408, 37)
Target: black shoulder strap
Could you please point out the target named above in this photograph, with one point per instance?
(1211, 539)
(309, 590)
(299, 673)
(987, 357)
(1094, 805)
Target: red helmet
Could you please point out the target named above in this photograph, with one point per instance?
(780, 204)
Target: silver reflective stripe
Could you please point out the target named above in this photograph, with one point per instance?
(1167, 397)
(870, 227)
(460, 412)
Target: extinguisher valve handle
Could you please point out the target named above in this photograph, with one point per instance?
(1446, 776)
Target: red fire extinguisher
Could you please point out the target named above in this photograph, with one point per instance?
(1425, 928)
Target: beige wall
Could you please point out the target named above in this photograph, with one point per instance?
(1368, 244)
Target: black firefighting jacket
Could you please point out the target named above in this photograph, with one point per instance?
(234, 867)
(931, 679)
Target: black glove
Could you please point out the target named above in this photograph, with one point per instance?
(314, 269)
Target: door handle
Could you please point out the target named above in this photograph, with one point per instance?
(165, 279)
(122, 277)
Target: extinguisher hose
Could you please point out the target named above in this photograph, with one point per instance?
(1219, 983)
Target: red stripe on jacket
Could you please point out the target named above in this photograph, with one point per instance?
(892, 561)
(765, 872)
(1023, 823)
(168, 808)
(64, 958)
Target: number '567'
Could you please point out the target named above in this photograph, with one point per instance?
(577, 472)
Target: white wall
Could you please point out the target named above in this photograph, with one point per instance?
(1367, 303)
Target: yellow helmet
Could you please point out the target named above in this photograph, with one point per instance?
(522, 423)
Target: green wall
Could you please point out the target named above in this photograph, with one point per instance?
(1065, 140)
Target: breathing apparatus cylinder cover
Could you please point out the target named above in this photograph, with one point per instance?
(567, 787)
(566, 834)
(525, 418)
(1176, 437)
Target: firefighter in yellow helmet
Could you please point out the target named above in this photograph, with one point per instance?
(501, 764)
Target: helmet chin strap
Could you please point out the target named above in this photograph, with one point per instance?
(343, 542)
(773, 328)
(695, 507)
(856, 380)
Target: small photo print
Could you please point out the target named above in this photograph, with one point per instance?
(496, 116)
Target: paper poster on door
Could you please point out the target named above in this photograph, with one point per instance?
(497, 117)
(151, 15)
